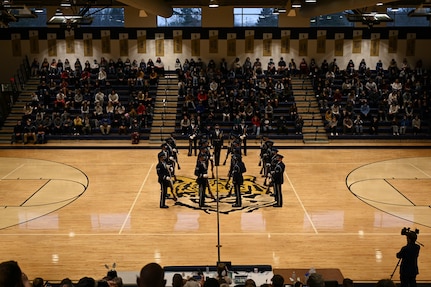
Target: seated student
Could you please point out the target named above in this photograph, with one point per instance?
(29, 131)
(11, 274)
(17, 133)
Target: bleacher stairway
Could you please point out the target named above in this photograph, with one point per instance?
(308, 108)
(165, 108)
(17, 109)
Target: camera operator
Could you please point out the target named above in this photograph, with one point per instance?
(409, 264)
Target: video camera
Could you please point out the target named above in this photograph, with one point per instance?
(406, 231)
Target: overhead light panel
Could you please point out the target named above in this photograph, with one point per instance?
(70, 20)
(296, 4)
(65, 4)
(310, 1)
(275, 11)
(213, 4)
(282, 10)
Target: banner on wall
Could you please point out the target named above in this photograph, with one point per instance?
(52, 44)
(357, 42)
(285, 41)
(411, 45)
(375, 44)
(213, 41)
(178, 41)
(249, 41)
(34, 41)
(106, 41)
(321, 42)
(124, 44)
(393, 41)
(142, 41)
(303, 44)
(339, 45)
(231, 44)
(196, 44)
(16, 45)
(88, 44)
(160, 44)
(70, 41)
(267, 44)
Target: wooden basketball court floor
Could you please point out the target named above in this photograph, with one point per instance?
(66, 212)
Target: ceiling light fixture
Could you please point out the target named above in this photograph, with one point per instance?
(275, 11)
(296, 4)
(213, 4)
(282, 10)
(65, 4)
(379, 4)
(310, 1)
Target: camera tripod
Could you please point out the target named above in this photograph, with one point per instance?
(392, 275)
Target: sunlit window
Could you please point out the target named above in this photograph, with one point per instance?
(255, 17)
(182, 17)
(39, 21)
(403, 19)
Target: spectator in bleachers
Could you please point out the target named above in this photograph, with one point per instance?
(416, 124)
(379, 66)
(159, 67)
(350, 69)
(348, 125)
(374, 126)
(105, 125)
(78, 67)
(29, 131)
(333, 125)
(282, 125)
(257, 67)
(34, 68)
(359, 125)
(17, 134)
(11, 274)
(303, 69)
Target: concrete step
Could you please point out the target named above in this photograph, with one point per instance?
(161, 116)
(168, 104)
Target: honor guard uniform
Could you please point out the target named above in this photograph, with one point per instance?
(243, 132)
(193, 134)
(277, 175)
(201, 171)
(237, 168)
(163, 178)
(217, 143)
(172, 145)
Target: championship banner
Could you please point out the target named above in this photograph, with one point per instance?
(321, 42)
(178, 41)
(375, 44)
(285, 41)
(357, 42)
(160, 44)
(52, 44)
(411, 44)
(70, 41)
(124, 44)
(267, 44)
(142, 41)
(249, 41)
(303, 44)
(34, 41)
(213, 41)
(393, 41)
(196, 44)
(88, 44)
(106, 41)
(231, 44)
(16, 45)
(339, 45)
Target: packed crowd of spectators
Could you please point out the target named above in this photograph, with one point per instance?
(228, 94)
(359, 99)
(103, 96)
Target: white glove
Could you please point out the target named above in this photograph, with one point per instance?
(171, 158)
(205, 175)
(168, 178)
(191, 137)
(211, 158)
(242, 137)
(175, 150)
(269, 175)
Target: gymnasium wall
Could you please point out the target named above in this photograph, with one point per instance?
(142, 40)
